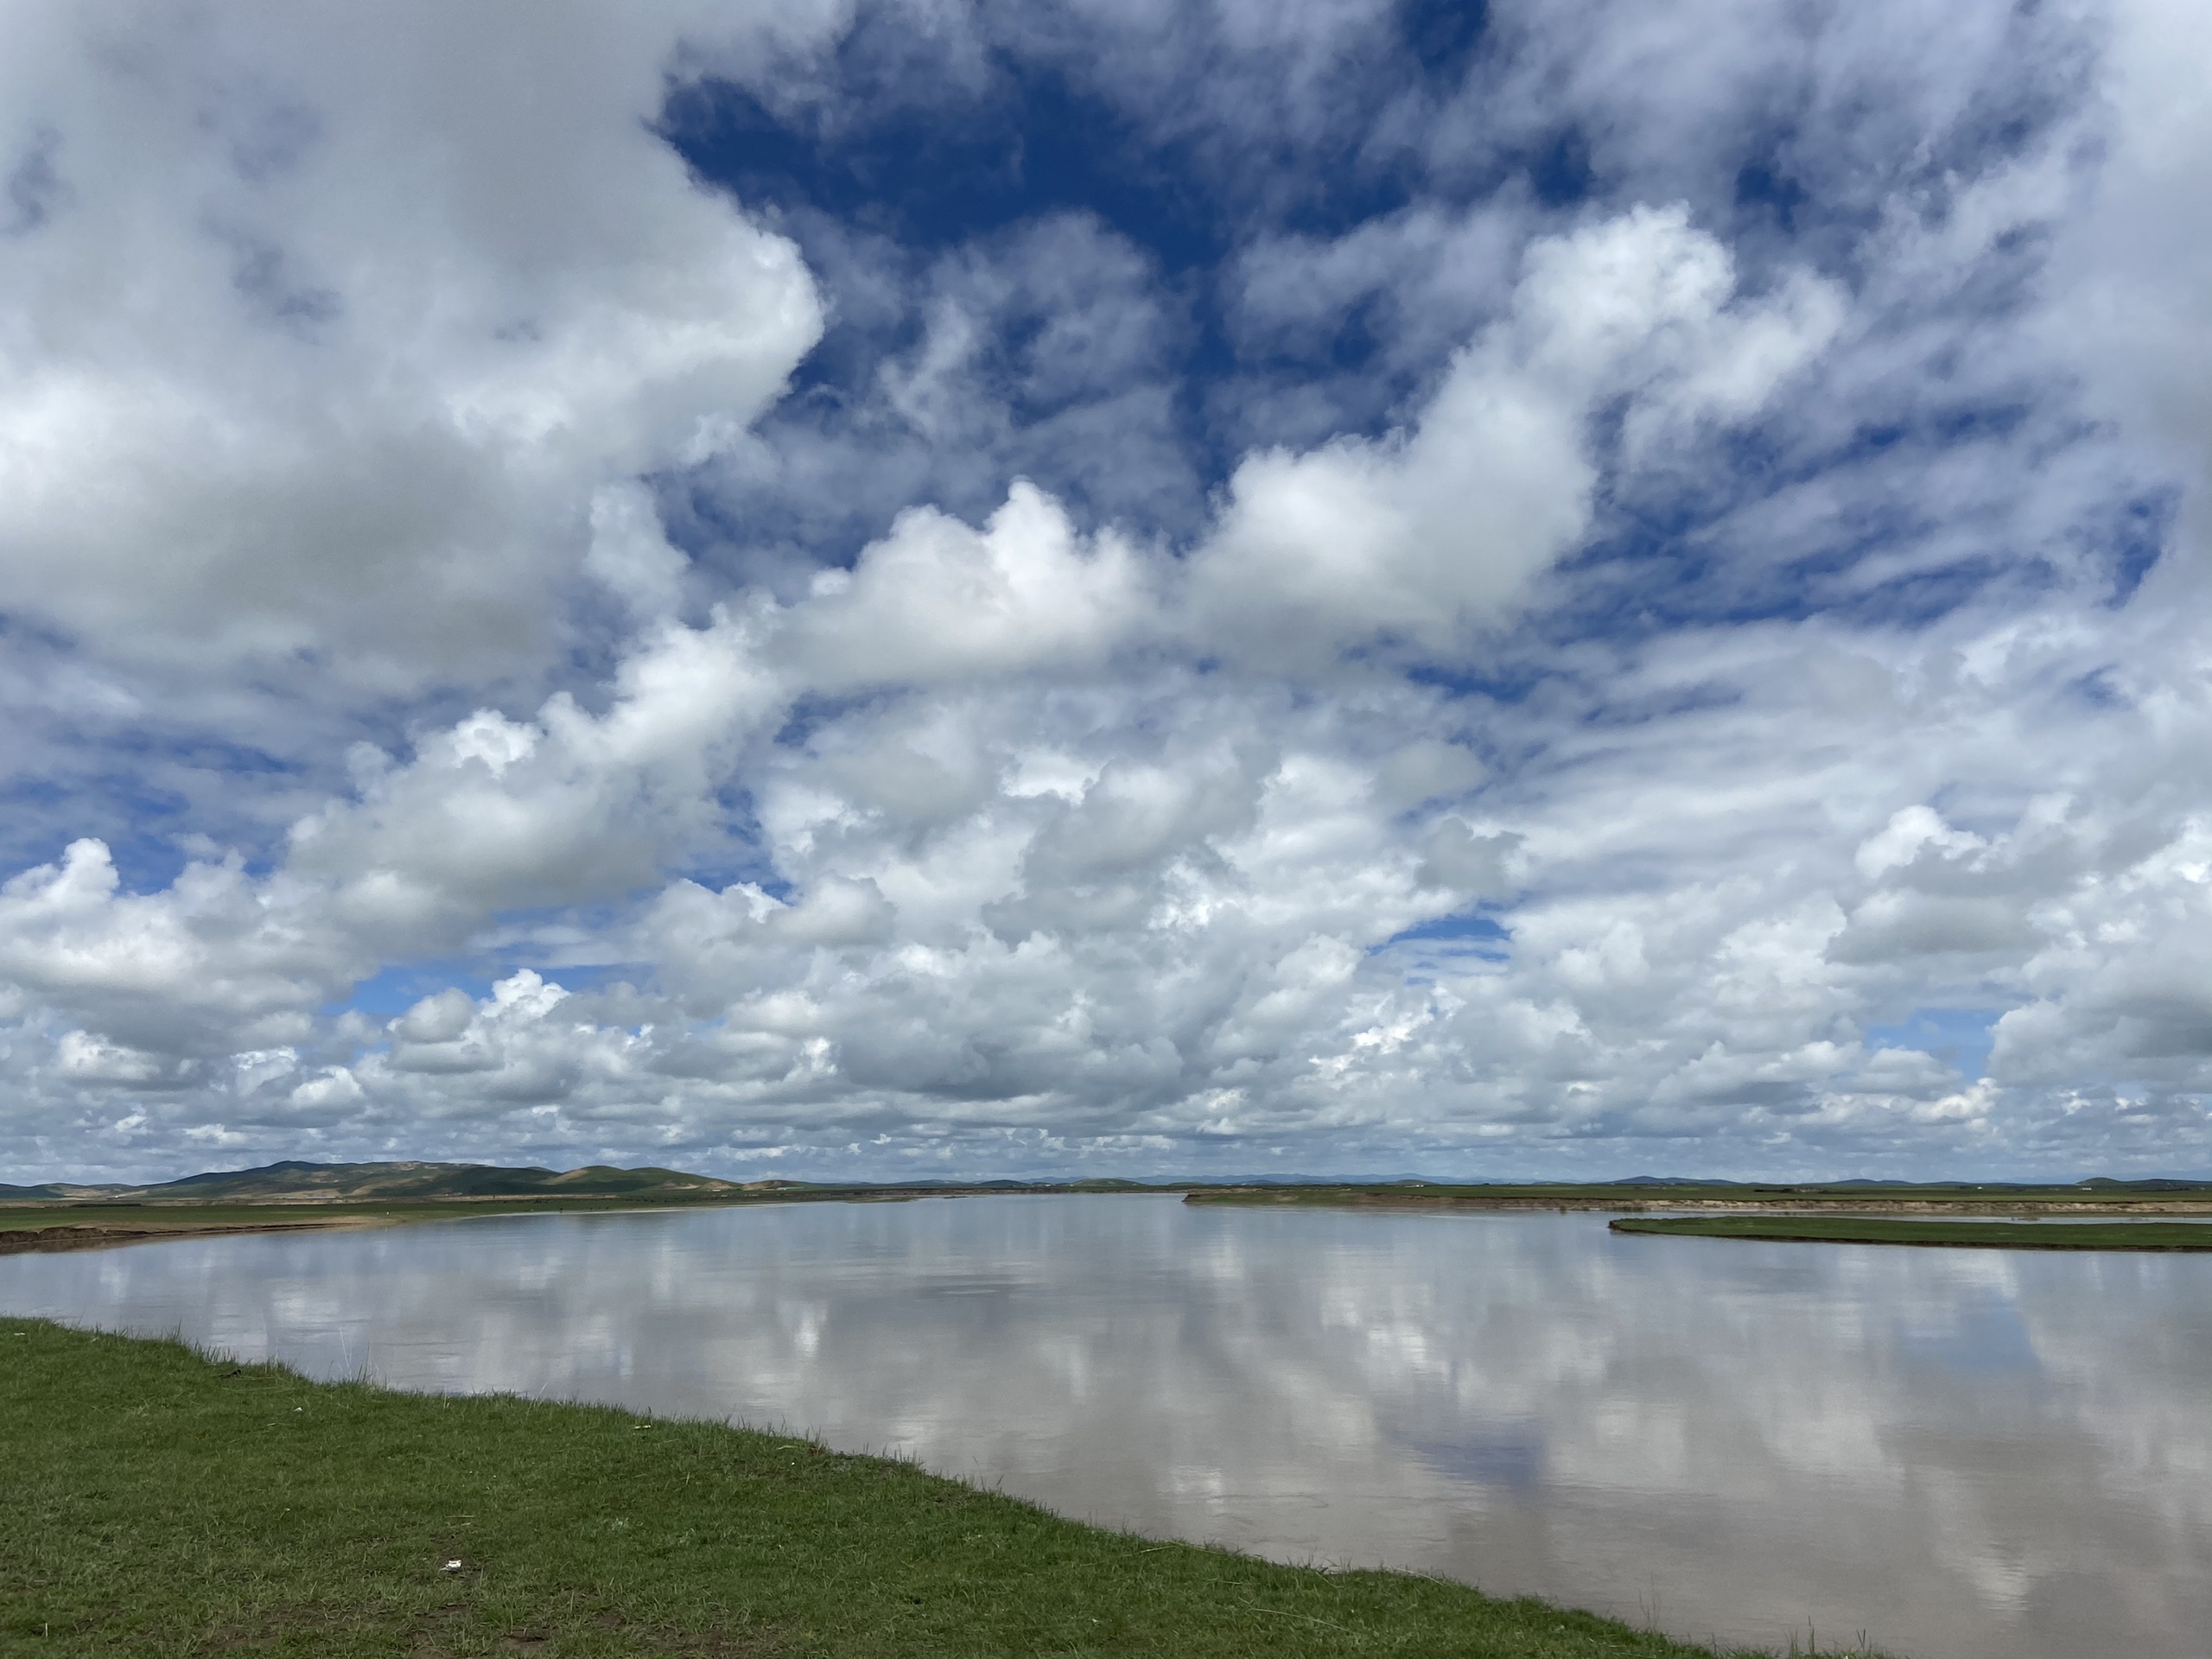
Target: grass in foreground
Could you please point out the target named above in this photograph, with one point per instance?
(159, 1502)
(1979, 1235)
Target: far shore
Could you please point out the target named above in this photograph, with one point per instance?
(2161, 1237)
(1756, 1201)
(50, 1224)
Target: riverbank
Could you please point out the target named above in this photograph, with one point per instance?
(28, 1235)
(275, 1199)
(2164, 1198)
(1958, 1235)
(88, 1224)
(42, 1227)
(161, 1503)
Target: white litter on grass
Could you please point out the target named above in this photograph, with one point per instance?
(452, 1566)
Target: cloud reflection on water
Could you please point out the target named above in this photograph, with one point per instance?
(1961, 1452)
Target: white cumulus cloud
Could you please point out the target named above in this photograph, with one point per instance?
(1629, 601)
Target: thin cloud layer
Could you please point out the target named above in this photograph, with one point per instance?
(765, 592)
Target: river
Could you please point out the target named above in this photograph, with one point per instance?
(1960, 1454)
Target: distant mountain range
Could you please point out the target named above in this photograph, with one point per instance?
(303, 1183)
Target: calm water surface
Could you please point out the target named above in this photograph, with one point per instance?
(1963, 1453)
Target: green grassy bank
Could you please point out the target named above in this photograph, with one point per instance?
(91, 1223)
(1997, 1198)
(285, 1198)
(97, 1224)
(1979, 1235)
(161, 1504)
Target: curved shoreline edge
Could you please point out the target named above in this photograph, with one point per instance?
(2140, 1236)
(167, 1501)
(42, 1225)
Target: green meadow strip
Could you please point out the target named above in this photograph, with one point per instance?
(1973, 1235)
(162, 1503)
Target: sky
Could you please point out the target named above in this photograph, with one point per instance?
(954, 589)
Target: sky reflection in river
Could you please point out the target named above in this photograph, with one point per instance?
(1961, 1452)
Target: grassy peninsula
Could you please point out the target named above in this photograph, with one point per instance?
(1966, 1235)
(2096, 1197)
(294, 1197)
(164, 1503)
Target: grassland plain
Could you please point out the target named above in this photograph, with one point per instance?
(1965, 1234)
(2091, 1197)
(87, 1225)
(162, 1503)
(296, 1197)
(92, 1224)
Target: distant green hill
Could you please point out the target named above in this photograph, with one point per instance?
(294, 1182)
